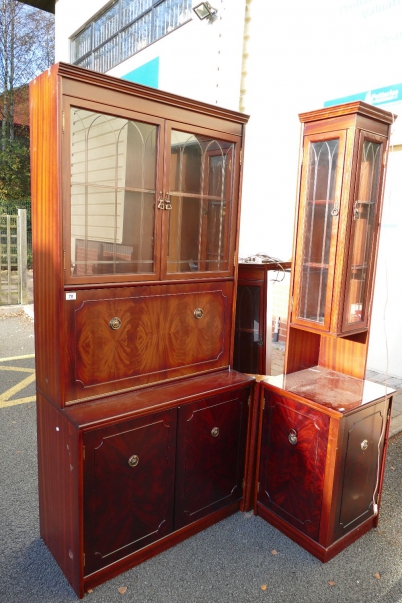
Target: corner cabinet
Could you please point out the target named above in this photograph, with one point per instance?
(136, 199)
(343, 164)
(322, 428)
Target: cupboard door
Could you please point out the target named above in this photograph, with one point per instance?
(210, 455)
(292, 465)
(128, 487)
(320, 205)
(362, 452)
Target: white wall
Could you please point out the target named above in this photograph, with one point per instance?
(200, 60)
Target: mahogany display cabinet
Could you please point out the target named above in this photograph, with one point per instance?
(253, 330)
(143, 427)
(323, 428)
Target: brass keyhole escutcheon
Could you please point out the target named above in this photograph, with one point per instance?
(364, 445)
(115, 323)
(292, 437)
(198, 313)
(215, 432)
(133, 460)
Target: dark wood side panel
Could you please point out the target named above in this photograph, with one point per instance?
(59, 468)
(44, 116)
(293, 460)
(129, 486)
(210, 455)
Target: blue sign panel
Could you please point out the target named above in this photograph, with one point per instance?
(147, 74)
(379, 96)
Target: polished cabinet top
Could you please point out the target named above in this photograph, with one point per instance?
(330, 389)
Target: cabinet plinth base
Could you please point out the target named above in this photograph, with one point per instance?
(157, 547)
(322, 553)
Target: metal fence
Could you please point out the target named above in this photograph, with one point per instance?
(13, 259)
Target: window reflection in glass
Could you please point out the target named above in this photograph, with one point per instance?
(113, 175)
(201, 198)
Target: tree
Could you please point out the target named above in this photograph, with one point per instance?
(26, 49)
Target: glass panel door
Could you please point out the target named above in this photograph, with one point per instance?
(113, 184)
(321, 189)
(199, 203)
(363, 231)
(248, 336)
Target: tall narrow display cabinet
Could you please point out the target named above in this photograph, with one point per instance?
(323, 429)
(142, 426)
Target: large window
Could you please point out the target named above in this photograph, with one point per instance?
(124, 28)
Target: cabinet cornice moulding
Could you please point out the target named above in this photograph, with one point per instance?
(153, 94)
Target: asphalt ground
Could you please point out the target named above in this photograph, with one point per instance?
(242, 559)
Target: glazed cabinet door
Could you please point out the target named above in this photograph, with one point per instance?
(320, 203)
(249, 345)
(292, 464)
(210, 455)
(364, 222)
(200, 202)
(111, 222)
(129, 471)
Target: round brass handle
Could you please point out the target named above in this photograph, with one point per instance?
(133, 460)
(215, 432)
(115, 323)
(364, 445)
(198, 313)
(292, 437)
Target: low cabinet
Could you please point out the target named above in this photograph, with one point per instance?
(322, 458)
(136, 473)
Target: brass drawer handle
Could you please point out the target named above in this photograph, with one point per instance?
(115, 323)
(215, 432)
(198, 313)
(292, 437)
(364, 445)
(133, 460)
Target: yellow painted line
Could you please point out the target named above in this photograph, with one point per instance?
(17, 369)
(15, 402)
(17, 357)
(5, 397)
